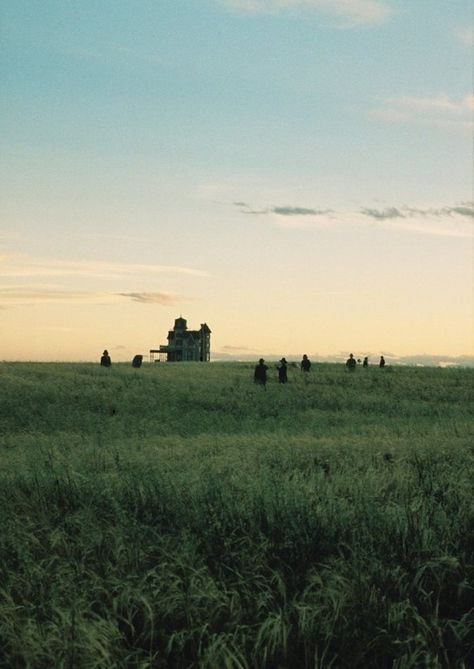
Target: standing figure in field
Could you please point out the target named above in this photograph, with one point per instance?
(105, 360)
(351, 363)
(305, 364)
(282, 371)
(382, 361)
(260, 373)
(366, 362)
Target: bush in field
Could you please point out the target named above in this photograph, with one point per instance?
(178, 516)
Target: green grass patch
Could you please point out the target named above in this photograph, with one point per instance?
(178, 516)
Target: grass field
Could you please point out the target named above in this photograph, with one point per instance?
(177, 516)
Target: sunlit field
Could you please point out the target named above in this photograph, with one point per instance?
(178, 516)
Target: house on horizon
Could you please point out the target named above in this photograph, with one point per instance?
(185, 345)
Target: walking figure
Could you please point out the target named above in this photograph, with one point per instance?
(260, 373)
(305, 364)
(282, 371)
(366, 362)
(382, 361)
(105, 360)
(351, 363)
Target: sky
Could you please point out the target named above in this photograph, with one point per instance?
(298, 174)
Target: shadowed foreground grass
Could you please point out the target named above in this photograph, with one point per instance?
(177, 516)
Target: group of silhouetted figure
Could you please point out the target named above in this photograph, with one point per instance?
(261, 369)
(351, 362)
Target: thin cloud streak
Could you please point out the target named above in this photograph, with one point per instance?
(384, 214)
(465, 209)
(17, 295)
(166, 299)
(351, 13)
(440, 111)
(13, 295)
(230, 349)
(450, 221)
(25, 266)
(299, 211)
(245, 208)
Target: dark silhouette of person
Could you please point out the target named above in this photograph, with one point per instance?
(366, 362)
(351, 363)
(105, 360)
(283, 371)
(382, 361)
(305, 364)
(260, 373)
(137, 361)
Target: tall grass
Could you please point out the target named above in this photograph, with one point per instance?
(177, 516)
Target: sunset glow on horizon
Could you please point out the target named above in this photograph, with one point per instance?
(298, 175)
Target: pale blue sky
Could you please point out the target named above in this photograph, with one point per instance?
(303, 153)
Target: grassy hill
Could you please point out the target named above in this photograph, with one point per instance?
(178, 516)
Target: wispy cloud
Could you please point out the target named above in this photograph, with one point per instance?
(230, 349)
(166, 299)
(383, 214)
(465, 209)
(299, 211)
(30, 295)
(13, 295)
(451, 221)
(440, 111)
(447, 221)
(245, 208)
(466, 35)
(26, 266)
(348, 12)
(442, 103)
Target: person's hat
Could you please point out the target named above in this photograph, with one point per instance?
(261, 360)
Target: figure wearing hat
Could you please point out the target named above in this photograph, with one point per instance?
(260, 373)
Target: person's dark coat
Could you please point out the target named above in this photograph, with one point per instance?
(305, 364)
(105, 360)
(282, 371)
(260, 373)
(351, 363)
